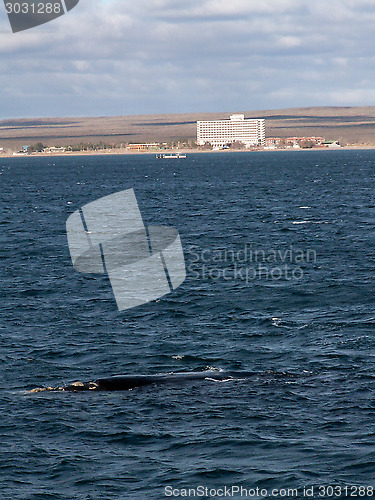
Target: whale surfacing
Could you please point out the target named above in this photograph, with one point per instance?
(128, 382)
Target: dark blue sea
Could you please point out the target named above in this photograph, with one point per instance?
(280, 258)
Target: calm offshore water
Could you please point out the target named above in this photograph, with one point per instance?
(306, 418)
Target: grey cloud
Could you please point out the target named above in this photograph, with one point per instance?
(119, 57)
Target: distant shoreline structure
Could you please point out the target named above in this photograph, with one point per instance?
(219, 134)
(347, 126)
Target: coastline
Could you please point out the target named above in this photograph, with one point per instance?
(125, 152)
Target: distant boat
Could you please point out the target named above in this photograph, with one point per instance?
(170, 155)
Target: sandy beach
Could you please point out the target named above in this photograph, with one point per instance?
(123, 151)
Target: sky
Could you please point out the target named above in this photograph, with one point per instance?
(120, 57)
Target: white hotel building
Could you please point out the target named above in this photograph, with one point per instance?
(220, 133)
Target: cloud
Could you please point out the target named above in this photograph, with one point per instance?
(151, 56)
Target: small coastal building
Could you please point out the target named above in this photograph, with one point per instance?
(221, 133)
(331, 144)
(273, 142)
(297, 142)
(142, 147)
(54, 150)
(294, 142)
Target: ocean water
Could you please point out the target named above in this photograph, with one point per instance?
(279, 250)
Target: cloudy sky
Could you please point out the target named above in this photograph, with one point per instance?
(116, 57)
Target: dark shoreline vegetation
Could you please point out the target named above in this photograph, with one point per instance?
(348, 125)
